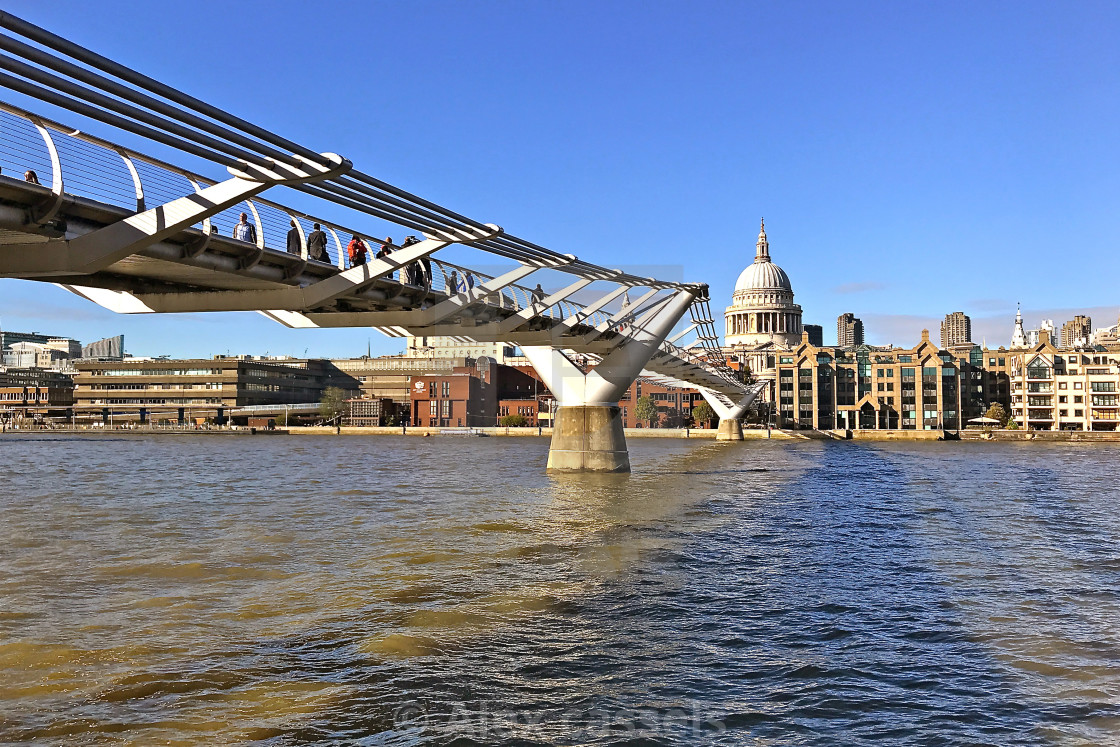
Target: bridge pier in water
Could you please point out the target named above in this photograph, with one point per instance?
(587, 434)
(730, 427)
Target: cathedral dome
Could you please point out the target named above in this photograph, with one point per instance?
(762, 310)
(763, 274)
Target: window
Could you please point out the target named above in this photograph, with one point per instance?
(1063, 399)
(929, 371)
(1002, 361)
(446, 408)
(432, 405)
(1061, 385)
(881, 387)
(948, 371)
(447, 389)
(1077, 385)
(1103, 386)
(880, 374)
(992, 362)
(1038, 370)
(785, 359)
(432, 390)
(1078, 399)
(1079, 413)
(1063, 413)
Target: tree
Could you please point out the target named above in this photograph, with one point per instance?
(703, 413)
(333, 403)
(513, 421)
(644, 409)
(1012, 425)
(996, 412)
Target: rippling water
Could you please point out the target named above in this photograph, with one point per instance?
(406, 591)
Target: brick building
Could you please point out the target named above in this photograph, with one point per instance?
(921, 388)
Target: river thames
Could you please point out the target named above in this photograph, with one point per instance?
(409, 591)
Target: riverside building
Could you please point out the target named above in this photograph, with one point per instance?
(926, 387)
(175, 390)
(1059, 388)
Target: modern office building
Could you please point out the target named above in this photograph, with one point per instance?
(816, 334)
(31, 392)
(165, 389)
(849, 331)
(7, 339)
(956, 329)
(1077, 332)
(110, 348)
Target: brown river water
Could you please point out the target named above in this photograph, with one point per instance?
(187, 590)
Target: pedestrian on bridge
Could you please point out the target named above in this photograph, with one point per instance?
(385, 250)
(317, 245)
(356, 249)
(244, 230)
(30, 177)
(538, 294)
(453, 283)
(295, 246)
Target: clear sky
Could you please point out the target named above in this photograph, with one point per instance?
(911, 159)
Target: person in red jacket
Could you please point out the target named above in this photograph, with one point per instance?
(357, 251)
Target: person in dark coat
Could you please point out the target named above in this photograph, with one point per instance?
(317, 245)
(295, 246)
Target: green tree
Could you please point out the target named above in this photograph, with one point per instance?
(1012, 425)
(333, 403)
(513, 421)
(644, 409)
(703, 413)
(996, 412)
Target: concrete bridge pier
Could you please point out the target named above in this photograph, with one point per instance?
(730, 427)
(587, 434)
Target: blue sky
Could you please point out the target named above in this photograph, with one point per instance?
(911, 159)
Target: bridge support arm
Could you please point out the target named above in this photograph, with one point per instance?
(729, 411)
(587, 433)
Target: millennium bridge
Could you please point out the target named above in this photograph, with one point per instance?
(139, 235)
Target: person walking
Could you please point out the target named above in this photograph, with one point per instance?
(244, 230)
(414, 273)
(453, 283)
(468, 281)
(385, 250)
(317, 245)
(538, 294)
(295, 246)
(356, 250)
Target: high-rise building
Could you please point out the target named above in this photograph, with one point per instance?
(7, 339)
(956, 328)
(111, 348)
(816, 334)
(1077, 331)
(849, 331)
(1034, 336)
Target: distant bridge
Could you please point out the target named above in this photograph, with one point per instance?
(137, 234)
